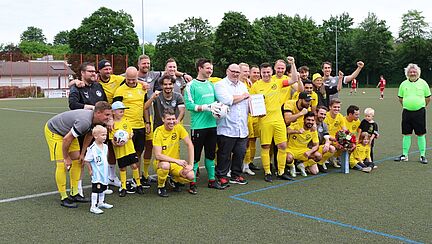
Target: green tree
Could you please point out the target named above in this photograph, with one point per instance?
(34, 48)
(414, 44)
(61, 38)
(413, 26)
(373, 44)
(185, 42)
(106, 32)
(236, 41)
(295, 36)
(33, 34)
(149, 49)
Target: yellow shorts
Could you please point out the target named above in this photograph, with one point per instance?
(253, 127)
(276, 130)
(174, 170)
(55, 143)
(149, 136)
(298, 154)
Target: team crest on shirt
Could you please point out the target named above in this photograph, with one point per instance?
(336, 124)
(173, 103)
(174, 136)
(99, 93)
(274, 87)
(125, 126)
(354, 127)
(308, 137)
(86, 95)
(320, 129)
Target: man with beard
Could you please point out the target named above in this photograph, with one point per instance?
(308, 88)
(168, 98)
(326, 148)
(150, 77)
(414, 95)
(294, 110)
(300, 135)
(333, 84)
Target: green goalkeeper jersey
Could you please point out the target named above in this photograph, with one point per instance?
(199, 92)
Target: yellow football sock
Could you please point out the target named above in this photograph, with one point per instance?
(181, 180)
(281, 160)
(265, 158)
(146, 167)
(252, 146)
(123, 178)
(75, 175)
(325, 157)
(60, 176)
(162, 176)
(136, 176)
(247, 155)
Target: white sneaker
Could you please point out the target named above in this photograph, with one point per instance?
(301, 167)
(248, 171)
(367, 169)
(108, 191)
(114, 182)
(324, 165)
(292, 171)
(96, 210)
(229, 174)
(105, 205)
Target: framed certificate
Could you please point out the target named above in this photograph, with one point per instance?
(257, 105)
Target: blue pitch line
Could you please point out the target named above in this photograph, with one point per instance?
(238, 197)
(327, 220)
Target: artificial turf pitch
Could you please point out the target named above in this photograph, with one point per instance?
(392, 204)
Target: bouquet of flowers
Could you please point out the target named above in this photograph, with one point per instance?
(345, 140)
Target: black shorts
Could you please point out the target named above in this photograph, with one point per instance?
(204, 138)
(138, 138)
(127, 160)
(414, 120)
(98, 187)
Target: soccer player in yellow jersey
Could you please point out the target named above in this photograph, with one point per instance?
(124, 153)
(352, 121)
(294, 110)
(132, 95)
(308, 88)
(299, 137)
(272, 125)
(244, 77)
(286, 92)
(253, 127)
(166, 146)
(335, 122)
(108, 80)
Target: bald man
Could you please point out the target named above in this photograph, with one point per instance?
(132, 95)
(232, 130)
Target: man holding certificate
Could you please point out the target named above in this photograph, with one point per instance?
(272, 123)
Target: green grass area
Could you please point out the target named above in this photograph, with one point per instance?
(394, 200)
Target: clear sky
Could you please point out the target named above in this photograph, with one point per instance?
(53, 16)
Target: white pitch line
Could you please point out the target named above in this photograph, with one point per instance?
(27, 111)
(14, 199)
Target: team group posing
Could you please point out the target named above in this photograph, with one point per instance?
(299, 127)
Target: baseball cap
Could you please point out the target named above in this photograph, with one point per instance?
(316, 76)
(305, 96)
(118, 105)
(103, 63)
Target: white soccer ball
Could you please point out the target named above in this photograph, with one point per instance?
(121, 137)
(364, 92)
(220, 110)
